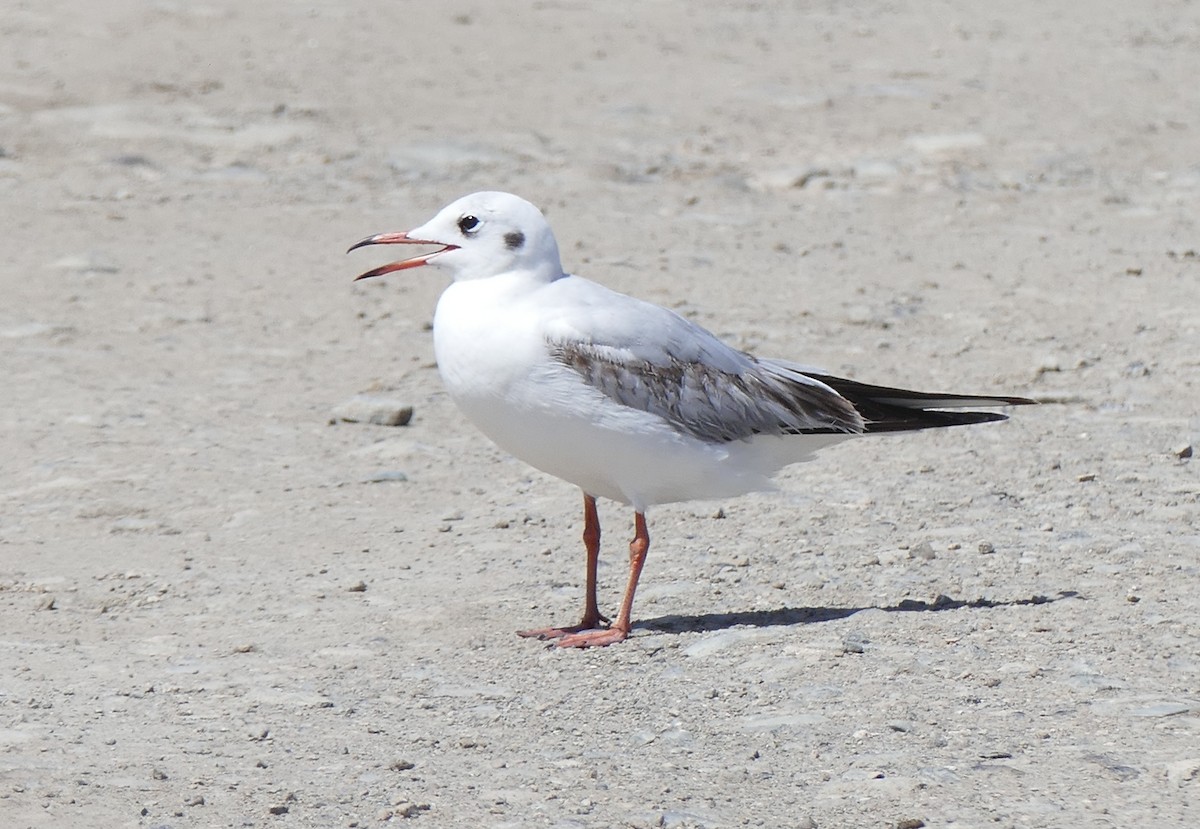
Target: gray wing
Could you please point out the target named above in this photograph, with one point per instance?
(741, 398)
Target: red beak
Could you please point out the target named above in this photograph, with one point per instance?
(398, 239)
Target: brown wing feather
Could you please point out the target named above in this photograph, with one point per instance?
(710, 404)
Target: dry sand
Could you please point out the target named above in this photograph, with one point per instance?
(212, 617)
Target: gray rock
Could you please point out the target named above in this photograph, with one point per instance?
(854, 642)
(374, 408)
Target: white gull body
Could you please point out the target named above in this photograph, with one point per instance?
(625, 399)
(493, 340)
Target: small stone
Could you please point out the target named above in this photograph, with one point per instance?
(1046, 365)
(357, 587)
(159, 774)
(87, 263)
(1137, 369)
(1085, 477)
(910, 823)
(786, 178)
(986, 548)
(854, 643)
(386, 476)
(903, 726)
(246, 648)
(1183, 451)
(408, 809)
(806, 822)
(278, 809)
(402, 765)
(374, 408)
(923, 551)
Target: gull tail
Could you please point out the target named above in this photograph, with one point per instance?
(885, 409)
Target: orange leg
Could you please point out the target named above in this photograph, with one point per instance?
(619, 630)
(591, 610)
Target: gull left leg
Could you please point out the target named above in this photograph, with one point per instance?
(619, 631)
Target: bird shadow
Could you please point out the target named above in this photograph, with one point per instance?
(705, 622)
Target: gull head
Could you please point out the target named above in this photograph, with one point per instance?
(479, 236)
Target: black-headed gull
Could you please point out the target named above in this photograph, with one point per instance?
(620, 397)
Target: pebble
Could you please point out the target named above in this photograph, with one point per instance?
(855, 642)
(786, 178)
(88, 263)
(1183, 451)
(374, 408)
(1048, 363)
(408, 808)
(986, 548)
(923, 551)
(384, 476)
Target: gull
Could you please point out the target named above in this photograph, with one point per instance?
(623, 398)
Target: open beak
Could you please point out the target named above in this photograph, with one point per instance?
(398, 239)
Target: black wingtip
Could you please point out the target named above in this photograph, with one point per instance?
(912, 420)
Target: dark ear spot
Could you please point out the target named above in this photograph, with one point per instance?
(514, 240)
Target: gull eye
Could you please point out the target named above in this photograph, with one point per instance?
(468, 225)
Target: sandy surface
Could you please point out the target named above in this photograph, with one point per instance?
(211, 617)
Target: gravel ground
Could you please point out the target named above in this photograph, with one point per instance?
(223, 606)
